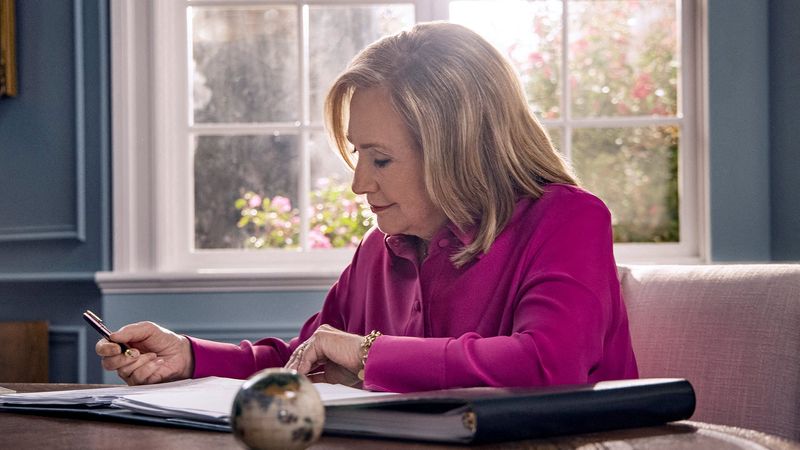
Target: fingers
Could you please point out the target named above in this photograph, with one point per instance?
(122, 360)
(327, 344)
(304, 357)
(105, 348)
(135, 332)
(126, 371)
(152, 371)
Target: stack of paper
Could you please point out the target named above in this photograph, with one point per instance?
(191, 402)
(210, 399)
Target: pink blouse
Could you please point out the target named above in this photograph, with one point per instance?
(542, 307)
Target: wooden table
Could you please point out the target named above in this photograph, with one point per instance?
(21, 431)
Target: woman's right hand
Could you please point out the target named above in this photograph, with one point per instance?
(157, 354)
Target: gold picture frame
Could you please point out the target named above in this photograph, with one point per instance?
(8, 63)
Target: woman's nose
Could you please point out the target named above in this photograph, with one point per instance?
(363, 183)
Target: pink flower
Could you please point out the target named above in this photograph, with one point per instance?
(547, 72)
(349, 207)
(318, 240)
(536, 59)
(282, 204)
(580, 45)
(643, 86)
(255, 201)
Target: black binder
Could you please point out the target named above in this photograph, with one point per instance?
(475, 415)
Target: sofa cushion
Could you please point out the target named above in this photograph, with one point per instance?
(732, 330)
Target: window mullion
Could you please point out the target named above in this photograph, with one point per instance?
(624, 122)
(691, 163)
(566, 92)
(305, 120)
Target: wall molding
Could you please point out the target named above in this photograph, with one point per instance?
(50, 277)
(67, 333)
(235, 332)
(38, 232)
(217, 281)
(77, 230)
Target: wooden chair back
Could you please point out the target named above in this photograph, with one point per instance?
(24, 352)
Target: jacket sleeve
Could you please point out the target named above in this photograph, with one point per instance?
(240, 361)
(562, 312)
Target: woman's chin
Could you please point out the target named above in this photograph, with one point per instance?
(385, 230)
(388, 228)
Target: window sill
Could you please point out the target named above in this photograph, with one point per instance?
(213, 281)
(259, 280)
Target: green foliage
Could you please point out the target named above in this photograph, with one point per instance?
(635, 171)
(338, 218)
(623, 62)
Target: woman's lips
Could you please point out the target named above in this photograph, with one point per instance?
(376, 209)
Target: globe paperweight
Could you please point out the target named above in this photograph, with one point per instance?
(277, 409)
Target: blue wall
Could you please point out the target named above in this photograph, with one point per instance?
(784, 118)
(738, 55)
(54, 148)
(54, 182)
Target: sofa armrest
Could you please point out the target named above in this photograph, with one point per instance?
(732, 330)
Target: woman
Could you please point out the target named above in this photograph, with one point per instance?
(488, 267)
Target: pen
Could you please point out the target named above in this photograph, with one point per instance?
(97, 323)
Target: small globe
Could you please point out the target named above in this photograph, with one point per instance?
(277, 409)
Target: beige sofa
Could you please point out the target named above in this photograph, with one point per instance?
(732, 330)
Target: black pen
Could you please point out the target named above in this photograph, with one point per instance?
(97, 323)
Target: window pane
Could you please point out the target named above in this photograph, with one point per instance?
(337, 33)
(246, 192)
(623, 57)
(528, 33)
(556, 137)
(635, 171)
(245, 64)
(338, 218)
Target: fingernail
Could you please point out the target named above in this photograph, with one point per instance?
(132, 352)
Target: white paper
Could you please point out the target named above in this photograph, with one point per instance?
(204, 398)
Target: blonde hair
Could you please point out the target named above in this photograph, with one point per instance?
(465, 108)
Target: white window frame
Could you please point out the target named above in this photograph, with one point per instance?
(149, 96)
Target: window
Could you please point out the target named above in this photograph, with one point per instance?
(613, 82)
(237, 173)
(264, 175)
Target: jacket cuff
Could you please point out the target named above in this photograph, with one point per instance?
(221, 359)
(406, 364)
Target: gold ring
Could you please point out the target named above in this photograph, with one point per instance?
(301, 349)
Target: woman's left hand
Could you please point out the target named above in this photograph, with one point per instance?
(338, 351)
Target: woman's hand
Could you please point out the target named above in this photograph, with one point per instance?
(338, 351)
(156, 355)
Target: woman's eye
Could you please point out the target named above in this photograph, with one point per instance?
(381, 163)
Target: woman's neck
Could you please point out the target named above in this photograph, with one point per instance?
(422, 249)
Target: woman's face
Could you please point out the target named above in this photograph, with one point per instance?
(390, 170)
